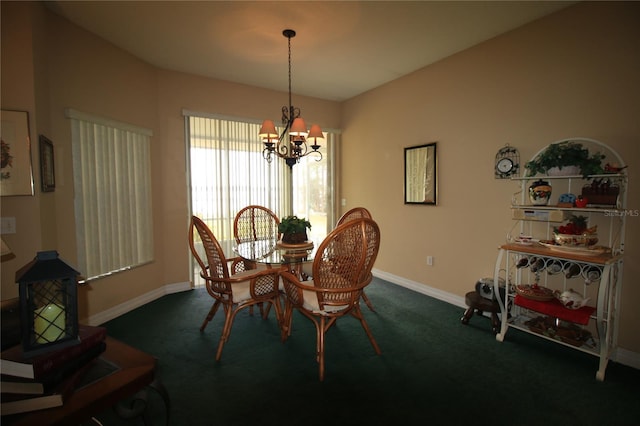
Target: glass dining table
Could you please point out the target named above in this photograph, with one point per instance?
(275, 254)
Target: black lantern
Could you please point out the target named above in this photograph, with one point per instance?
(48, 304)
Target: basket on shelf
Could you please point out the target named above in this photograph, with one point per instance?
(601, 195)
(565, 332)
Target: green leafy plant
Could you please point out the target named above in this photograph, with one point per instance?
(293, 225)
(565, 154)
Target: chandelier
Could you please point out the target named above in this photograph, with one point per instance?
(291, 144)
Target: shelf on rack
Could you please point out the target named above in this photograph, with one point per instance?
(596, 258)
(576, 339)
(590, 207)
(603, 175)
(555, 309)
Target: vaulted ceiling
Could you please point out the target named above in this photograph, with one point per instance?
(341, 49)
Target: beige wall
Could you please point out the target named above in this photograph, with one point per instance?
(18, 94)
(571, 74)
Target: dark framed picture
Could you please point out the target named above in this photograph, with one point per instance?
(420, 178)
(47, 171)
(16, 176)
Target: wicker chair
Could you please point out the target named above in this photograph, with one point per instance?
(254, 223)
(230, 286)
(353, 214)
(341, 270)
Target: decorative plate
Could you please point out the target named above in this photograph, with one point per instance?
(535, 292)
(588, 251)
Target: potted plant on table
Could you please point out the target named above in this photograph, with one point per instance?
(564, 159)
(294, 229)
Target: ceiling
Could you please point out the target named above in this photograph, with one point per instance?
(341, 48)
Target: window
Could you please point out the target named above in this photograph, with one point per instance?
(227, 172)
(112, 182)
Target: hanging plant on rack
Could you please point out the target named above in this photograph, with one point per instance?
(566, 158)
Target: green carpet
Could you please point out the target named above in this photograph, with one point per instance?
(433, 369)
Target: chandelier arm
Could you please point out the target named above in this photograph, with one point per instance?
(286, 119)
(284, 133)
(283, 150)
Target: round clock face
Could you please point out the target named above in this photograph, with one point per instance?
(505, 166)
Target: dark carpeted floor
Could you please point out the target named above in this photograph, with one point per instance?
(433, 369)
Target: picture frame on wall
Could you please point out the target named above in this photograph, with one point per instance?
(47, 168)
(16, 173)
(420, 174)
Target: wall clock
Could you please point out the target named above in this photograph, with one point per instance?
(507, 162)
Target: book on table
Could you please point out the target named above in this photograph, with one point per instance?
(15, 403)
(14, 363)
(22, 387)
(48, 382)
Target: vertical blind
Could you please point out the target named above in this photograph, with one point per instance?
(227, 172)
(112, 184)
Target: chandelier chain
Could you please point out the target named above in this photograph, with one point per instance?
(290, 103)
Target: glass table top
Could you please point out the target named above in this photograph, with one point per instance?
(273, 252)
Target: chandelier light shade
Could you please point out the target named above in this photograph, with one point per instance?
(298, 127)
(268, 130)
(291, 144)
(315, 133)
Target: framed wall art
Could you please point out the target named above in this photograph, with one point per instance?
(16, 174)
(420, 185)
(47, 170)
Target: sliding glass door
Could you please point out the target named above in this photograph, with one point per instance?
(226, 172)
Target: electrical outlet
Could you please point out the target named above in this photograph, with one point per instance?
(8, 225)
(430, 260)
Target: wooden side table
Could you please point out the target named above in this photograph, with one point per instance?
(479, 304)
(136, 371)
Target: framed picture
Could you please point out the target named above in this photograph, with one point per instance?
(420, 178)
(47, 171)
(16, 174)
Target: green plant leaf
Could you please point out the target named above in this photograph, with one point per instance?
(293, 225)
(567, 153)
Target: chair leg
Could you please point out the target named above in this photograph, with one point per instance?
(279, 311)
(212, 312)
(287, 319)
(320, 346)
(265, 311)
(226, 329)
(358, 314)
(367, 301)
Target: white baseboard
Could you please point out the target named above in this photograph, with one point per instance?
(130, 305)
(628, 358)
(620, 355)
(421, 288)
